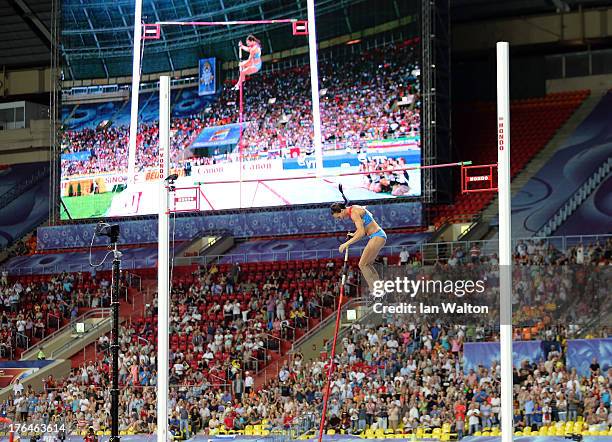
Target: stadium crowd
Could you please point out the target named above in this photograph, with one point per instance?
(31, 308)
(107, 149)
(405, 373)
(361, 102)
(552, 286)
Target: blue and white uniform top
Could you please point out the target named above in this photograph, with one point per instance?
(367, 220)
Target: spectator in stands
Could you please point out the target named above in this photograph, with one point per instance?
(404, 256)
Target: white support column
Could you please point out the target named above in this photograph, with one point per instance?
(505, 240)
(163, 262)
(314, 86)
(135, 90)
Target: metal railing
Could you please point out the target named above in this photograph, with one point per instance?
(287, 331)
(88, 315)
(133, 280)
(370, 313)
(444, 250)
(441, 253)
(72, 342)
(251, 363)
(51, 317)
(222, 382)
(353, 303)
(273, 338)
(305, 423)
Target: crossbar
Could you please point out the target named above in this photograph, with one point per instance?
(227, 23)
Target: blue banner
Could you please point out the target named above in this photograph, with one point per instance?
(218, 136)
(486, 353)
(208, 78)
(77, 156)
(19, 370)
(243, 225)
(581, 352)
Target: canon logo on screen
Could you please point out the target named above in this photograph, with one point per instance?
(500, 134)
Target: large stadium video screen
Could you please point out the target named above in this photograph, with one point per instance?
(230, 153)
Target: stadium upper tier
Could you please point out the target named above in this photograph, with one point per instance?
(97, 37)
(533, 123)
(575, 163)
(359, 103)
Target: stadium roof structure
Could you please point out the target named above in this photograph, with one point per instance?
(100, 31)
(96, 35)
(25, 38)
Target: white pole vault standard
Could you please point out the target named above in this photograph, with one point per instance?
(314, 86)
(135, 90)
(163, 253)
(505, 241)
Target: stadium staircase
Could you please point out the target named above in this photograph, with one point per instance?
(539, 126)
(314, 344)
(66, 343)
(206, 246)
(545, 154)
(60, 345)
(129, 311)
(280, 346)
(570, 206)
(317, 345)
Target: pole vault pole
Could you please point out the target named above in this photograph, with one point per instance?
(135, 90)
(314, 86)
(163, 264)
(505, 241)
(330, 368)
(241, 123)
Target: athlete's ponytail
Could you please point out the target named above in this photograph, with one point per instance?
(339, 207)
(346, 201)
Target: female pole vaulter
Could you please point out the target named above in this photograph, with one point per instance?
(252, 64)
(365, 226)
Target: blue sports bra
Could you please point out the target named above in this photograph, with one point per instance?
(367, 216)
